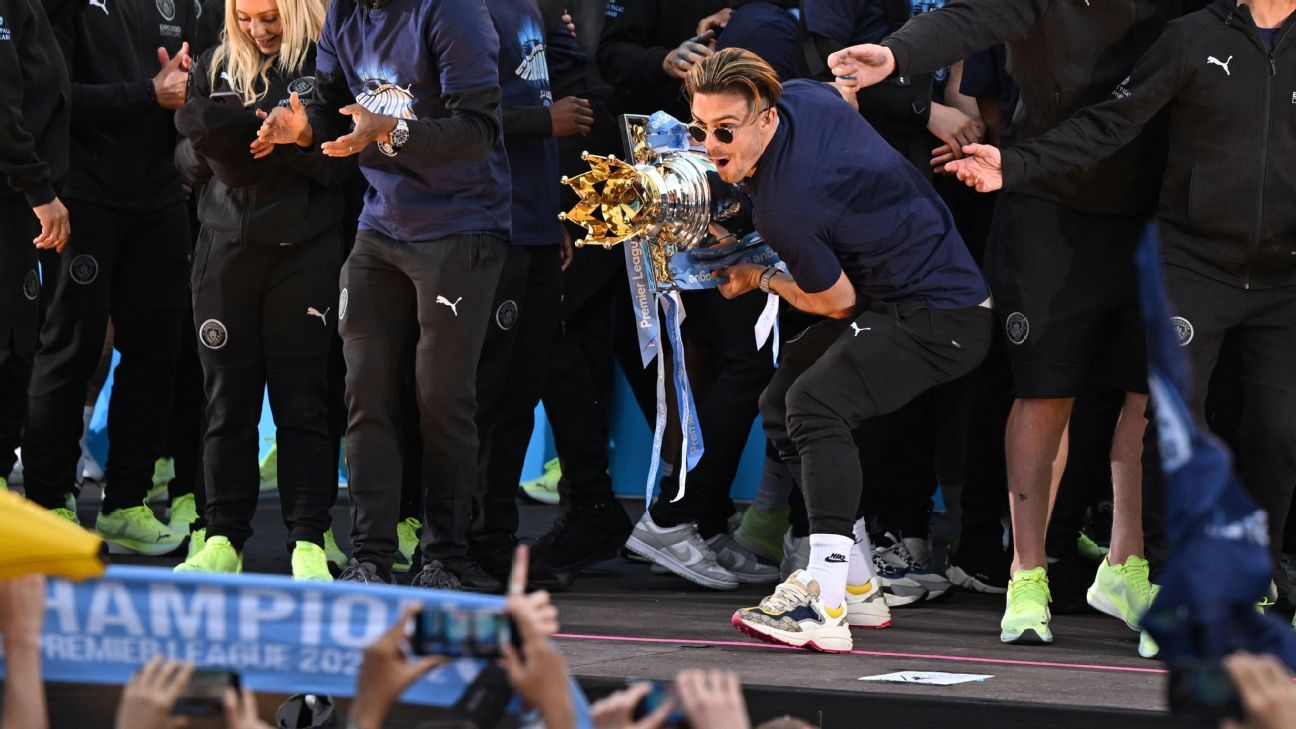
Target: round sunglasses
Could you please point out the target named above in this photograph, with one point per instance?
(723, 133)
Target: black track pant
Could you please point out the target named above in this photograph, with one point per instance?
(265, 316)
(19, 319)
(510, 381)
(447, 286)
(835, 376)
(130, 266)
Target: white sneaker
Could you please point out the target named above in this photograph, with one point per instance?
(796, 554)
(681, 550)
(866, 606)
(910, 556)
(795, 616)
(740, 562)
(898, 589)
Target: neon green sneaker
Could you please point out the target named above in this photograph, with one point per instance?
(4, 484)
(407, 536)
(163, 475)
(762, 533)
(136, 530)
(545, 488)
(269, 469)
(66, 515)
(184, 511)
(333, 553)
(216, 556)
(1089, 549)
(197, 540)
(1148, 648)
(1026, 618)
(1269, 600)
(309, 564)
(1122, 591)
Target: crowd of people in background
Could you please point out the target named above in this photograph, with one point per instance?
(353, 207)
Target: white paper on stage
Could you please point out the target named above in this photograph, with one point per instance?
(929, 678)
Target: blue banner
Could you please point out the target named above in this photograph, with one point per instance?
(280, 635)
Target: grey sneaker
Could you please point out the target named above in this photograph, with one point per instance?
(911, 556)
(740, 562)
(897, 587)
(796, 555)
(681, 550)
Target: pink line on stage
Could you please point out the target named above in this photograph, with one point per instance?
(882, 654)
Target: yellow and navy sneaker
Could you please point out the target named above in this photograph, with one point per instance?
(1026, 618)
(866, 606)
(795, 616)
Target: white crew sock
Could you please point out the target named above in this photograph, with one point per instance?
(861, 557)
(829, 560)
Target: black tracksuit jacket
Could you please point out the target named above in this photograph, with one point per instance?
(290, 196)
(1065, 55)
(122, 141)
(1228, 202)
(35, 101)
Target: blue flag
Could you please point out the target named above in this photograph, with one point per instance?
(1219, 564)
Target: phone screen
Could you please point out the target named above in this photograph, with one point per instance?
(462, 633)
(653, 701)
(205, 694)
(1204, 690)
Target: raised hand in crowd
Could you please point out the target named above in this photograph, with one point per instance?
(568, 22)
(283, 125)
(1267, 692)
(861, 66)
(956, 129)
(172, 80)
(712, 699)
(55, 227)
(677, 63)
(22, 613)
(981, 168)
(151, 694)
(386, 671)
(369, 128)
(571, 115)
(537, 671)
(616, 710)
(715, 22)
(241, 710)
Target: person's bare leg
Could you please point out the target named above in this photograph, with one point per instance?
(1127, 480)
(1036, 452)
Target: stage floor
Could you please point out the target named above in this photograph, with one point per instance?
(620, 621)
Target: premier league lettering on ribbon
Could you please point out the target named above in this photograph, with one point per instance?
(281, 636)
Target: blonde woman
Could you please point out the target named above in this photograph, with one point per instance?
(265, 275)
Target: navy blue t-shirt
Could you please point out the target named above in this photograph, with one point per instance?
(1269, 35)
(766, 29)
(398, 60)
(524, 81)
(830, 195)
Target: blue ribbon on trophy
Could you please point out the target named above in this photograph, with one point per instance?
(663, 205)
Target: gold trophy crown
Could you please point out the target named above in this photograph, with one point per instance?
(664, 200)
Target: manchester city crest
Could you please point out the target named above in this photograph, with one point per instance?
(31, 285)
(1017, 327)
(84, 269)
(166, 8)
(213, 334)
(1183, 330)
(506, 315)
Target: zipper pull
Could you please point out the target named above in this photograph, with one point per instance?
(1273, 65)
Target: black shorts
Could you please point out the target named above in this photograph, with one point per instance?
(1066, 296)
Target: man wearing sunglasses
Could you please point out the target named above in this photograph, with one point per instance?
(869, 247)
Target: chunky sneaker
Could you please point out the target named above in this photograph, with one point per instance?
(435, 576)
(1026, 618)
(473, 577)
(1122, 591)
(365, 573)
(543, 490)
(866, 606)
(681, 550)
(137, 530)
(732, 523)
(1089, 549)
(762, 534)
(184, 511)
(795, 616)
(739, 562)
(216, 556)
(898, 590)
(979, 569)
(910, 556)
(333, 553)
(796, 554)
(407, 542)
(268, 470)
(584, 536)
(309, 564)
(197, 540)
(1148, 648)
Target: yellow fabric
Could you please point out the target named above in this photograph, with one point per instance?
(32, 540)
(863, 589)
(836, 612)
